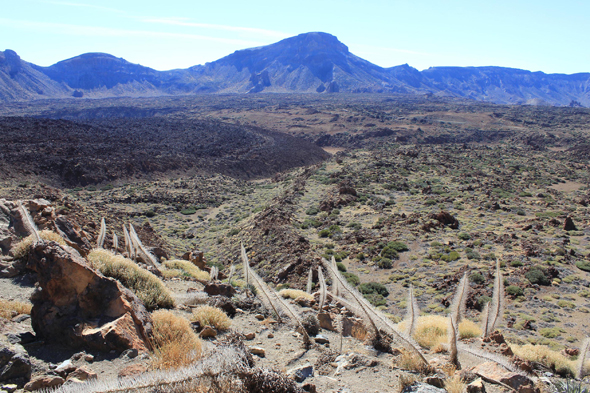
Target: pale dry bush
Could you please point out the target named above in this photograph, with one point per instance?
(22, 248)
(175, 343)
(406, 380)
(469, 329)
(288, 293)
(431, 330)
(544, 355)
(455, 384)
(211, 316)
(412, 362)
(11, 308)
(187, 268)
(146, 286)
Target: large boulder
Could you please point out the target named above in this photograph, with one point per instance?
(79, 307)
(73, 235)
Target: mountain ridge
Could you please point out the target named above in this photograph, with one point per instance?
(307, 63)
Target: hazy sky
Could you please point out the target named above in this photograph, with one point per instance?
(541, 35)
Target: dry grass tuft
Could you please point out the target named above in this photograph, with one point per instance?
(211, 316)
(406, 380)
(187, 269)
(146, 286)
(431, 330)
(455, 384)
(544, 355)
(175, 343)
(294, 294)
(469, 329)
(10, 308)
(411, 361)
(21, 249)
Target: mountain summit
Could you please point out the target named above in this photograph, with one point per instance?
(307, 63)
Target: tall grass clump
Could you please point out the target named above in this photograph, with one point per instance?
(289, 293)
(175, 344)
(187, 268)
(211, 316)
(545, 356)
(12, 308)
(146, 286)
(22, 248)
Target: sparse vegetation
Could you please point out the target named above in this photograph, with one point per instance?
(211, 316)
(148, 287)
(21, 249)
(175, 344)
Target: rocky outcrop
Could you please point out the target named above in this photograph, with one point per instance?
(15, 366)
(79, 307)
(73, 235)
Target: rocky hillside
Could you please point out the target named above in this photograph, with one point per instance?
(307, 63)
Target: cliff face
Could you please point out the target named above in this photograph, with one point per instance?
(307, 63)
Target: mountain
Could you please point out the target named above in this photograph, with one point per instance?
(307, 63)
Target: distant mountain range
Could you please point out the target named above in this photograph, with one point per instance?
(308, 63)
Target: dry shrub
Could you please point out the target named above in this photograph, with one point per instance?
(187, 269)
(211, 316)
(469, 329)
(359, 332)
(544, 355)
(11, 308)
(406, 380)
(408, 360)
(22, 248)
(175, 344)
(294, 294)
(146, 286)
(171, 273)
(431, 330)
(455, 384)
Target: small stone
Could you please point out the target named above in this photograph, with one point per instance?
(9, 388)
(435, 381)
(260, 317)
(309, 387)
(320, 339)
(270, 335)
(130, 353)
(73, 381)
(250, 336)
(422, 388)
(258, 351)
(208, 332)
(21, 318)
(43, 382)
(476, 386)
(83, 374)
(326, 321)
(65, 368)
(301, 373)
(89, 358)
(78, 355)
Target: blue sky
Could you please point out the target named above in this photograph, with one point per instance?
(549, 36)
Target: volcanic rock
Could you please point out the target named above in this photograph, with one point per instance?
(79, 307)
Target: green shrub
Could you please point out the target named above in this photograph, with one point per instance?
(476, 278)
(482, 300)
(373, 287)
(188, 211)
(398, 246)
(516, 264)
(538, 275)
(472, 255)
(324, 233)
(352, 279)
(376, 299)
(583, 265)
(312, 211)
(514, 291)
(450, 257)
(385, 263)
(355, 226)
(464, 236)
(341, 267)
(389, 253)
(233, 232)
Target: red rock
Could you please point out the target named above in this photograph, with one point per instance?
(494, 371)
(83, 373)
(79, 307)
(43, 382)
(132, 371)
